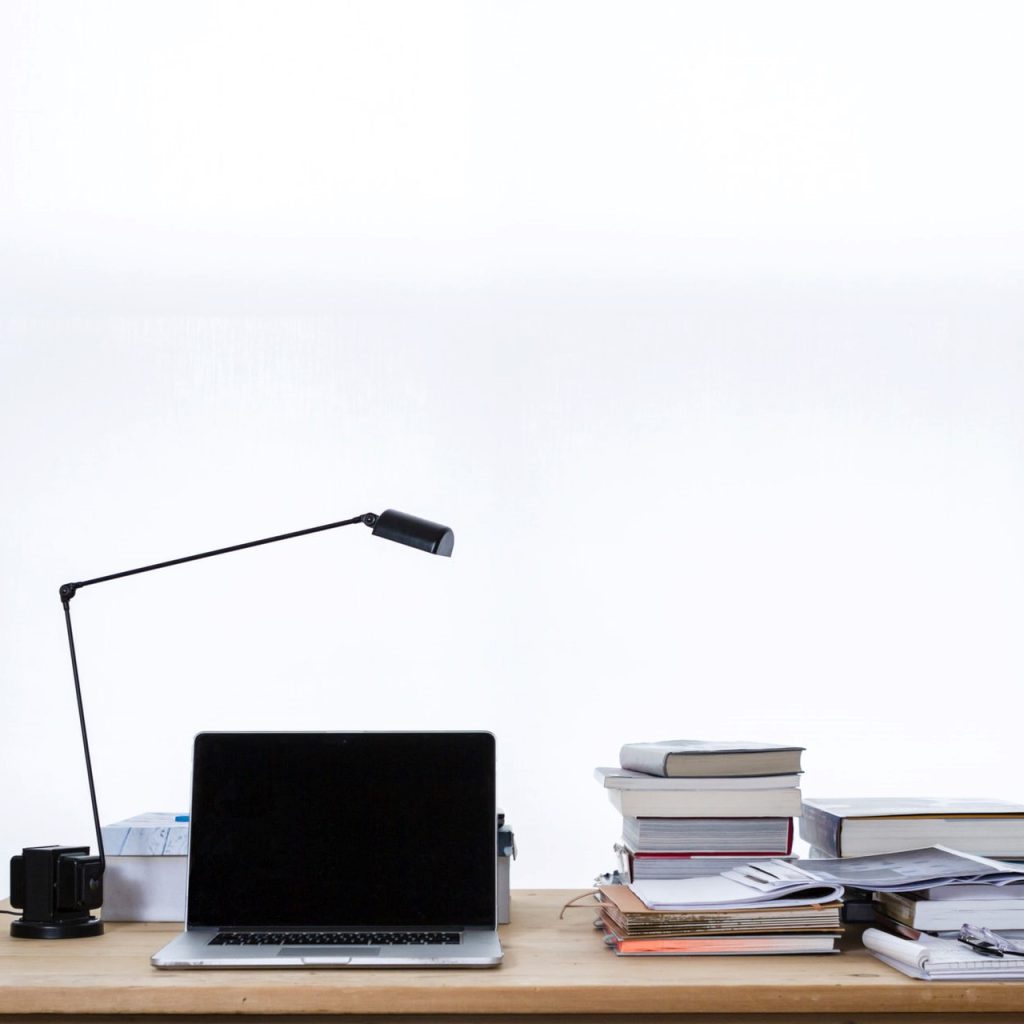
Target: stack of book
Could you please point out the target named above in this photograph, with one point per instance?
(869, 826)
(699, 807)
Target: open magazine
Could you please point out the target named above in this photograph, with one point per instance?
(913, 869)
(783, 883)
(774, 883)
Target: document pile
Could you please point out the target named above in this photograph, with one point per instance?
(770, 907)
(945, 872)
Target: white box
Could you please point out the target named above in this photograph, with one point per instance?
(145, 877)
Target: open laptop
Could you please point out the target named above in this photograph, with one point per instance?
(341, 850)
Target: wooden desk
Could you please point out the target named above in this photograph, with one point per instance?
(553, 969)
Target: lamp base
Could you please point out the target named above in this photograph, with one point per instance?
(22, 929)
(55, 887)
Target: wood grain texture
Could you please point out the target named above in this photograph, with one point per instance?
(551, 967)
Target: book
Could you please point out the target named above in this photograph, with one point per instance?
(636, 864)
(728, 803)
(741, 837)
(628, 915)
(918, 911)
(933, 959)
(624, 778)
(720, 945)
(853, 827)
(702, 758)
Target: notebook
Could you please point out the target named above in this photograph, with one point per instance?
(341, 850)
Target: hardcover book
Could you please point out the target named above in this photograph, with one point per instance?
(700, 758)
(917, 911)
(624, 778)
(741, 837)
(736, 803)
(639, 865)
(861, 826)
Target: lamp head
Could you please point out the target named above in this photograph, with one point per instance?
(415, 532)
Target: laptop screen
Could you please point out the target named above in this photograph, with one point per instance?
(350, 829)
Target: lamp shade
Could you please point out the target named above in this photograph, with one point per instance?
(415, 532)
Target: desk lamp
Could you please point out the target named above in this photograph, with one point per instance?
(55, 887)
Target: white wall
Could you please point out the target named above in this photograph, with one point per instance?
(701, 324)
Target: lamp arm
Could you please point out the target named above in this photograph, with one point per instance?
(68, 591)
(85, 736)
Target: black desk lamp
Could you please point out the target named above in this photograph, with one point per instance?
(55, 887)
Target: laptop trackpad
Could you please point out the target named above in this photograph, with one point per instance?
(327, 952)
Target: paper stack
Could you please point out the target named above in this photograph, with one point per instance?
(773, 907)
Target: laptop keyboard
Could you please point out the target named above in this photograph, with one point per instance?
(335, 939)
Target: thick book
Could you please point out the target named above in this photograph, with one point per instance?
(741, 837)
(917, 911)
(861, 826)
(702, 758)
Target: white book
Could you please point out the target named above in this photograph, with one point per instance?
(681, 803)
(623, 778)
(916, 911)
(753, 837)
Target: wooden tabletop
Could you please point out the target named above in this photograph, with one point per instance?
(551, 966)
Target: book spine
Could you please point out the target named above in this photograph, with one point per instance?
(894, 906)
(821, 829)
(640, 758)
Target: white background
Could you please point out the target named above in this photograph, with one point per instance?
(701, 324)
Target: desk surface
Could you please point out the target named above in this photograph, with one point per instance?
(552, 967)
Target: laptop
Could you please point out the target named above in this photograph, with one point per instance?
(334, 849)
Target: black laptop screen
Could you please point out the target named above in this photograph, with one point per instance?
(350, 829)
